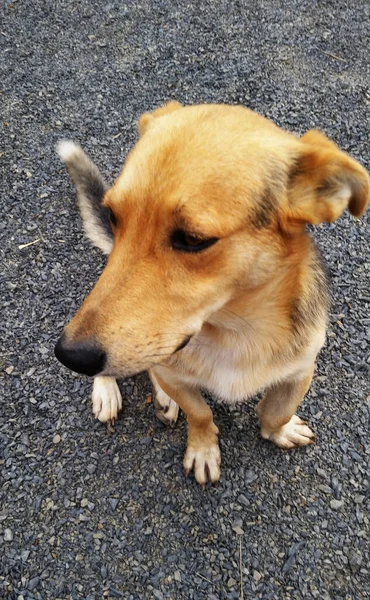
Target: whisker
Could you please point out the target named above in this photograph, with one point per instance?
(197, 342)
(160, 354)
(233, 314)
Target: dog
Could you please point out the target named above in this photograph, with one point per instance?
(212, 280)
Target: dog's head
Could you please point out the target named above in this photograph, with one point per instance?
(211, 203)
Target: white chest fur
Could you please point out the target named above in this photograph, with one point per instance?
(235, 365)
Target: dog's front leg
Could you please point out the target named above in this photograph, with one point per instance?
(166, 409)
(276, 411)
(106, 399)
(202, 453)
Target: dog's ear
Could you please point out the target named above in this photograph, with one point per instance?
(324, 182)
(90, 187)
(147, 118)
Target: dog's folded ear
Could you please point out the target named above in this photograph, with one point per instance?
(324, 182)
(90, 188)
(147, 118)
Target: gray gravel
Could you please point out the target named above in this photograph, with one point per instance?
(90, 514)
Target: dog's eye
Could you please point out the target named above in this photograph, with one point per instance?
(186, 242)
(112, 217)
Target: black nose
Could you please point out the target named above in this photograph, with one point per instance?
(83, 357)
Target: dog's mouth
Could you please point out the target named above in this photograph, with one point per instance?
(87, 358)
(183, 343)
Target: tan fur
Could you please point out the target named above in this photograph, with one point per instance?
(248, 300)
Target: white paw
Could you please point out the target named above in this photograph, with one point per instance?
(106, 399)
(205, 461)
(292, 434)
(166, 409)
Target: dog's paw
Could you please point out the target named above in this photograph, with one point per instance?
(166, 409)
(106, 399)
(205, 461)
(292, 434)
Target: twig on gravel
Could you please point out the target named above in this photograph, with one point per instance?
(240, 569)
(333, 56)
(205, 578)
(22, 246)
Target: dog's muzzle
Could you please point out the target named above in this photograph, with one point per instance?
(84, 357)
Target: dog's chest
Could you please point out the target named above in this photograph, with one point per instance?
(237, 365)
(230, 367)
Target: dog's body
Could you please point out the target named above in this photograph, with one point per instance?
(212, 281)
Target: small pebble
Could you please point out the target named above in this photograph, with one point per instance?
(243, 500)
(335, 504)
(33, 583)
(250, 477)
(325, 488)
(113, 502)
(238, 530)
(359, 499)
(355, 560)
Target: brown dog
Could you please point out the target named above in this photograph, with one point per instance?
(212, 281)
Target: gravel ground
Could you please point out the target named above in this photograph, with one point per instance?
(91, 514)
